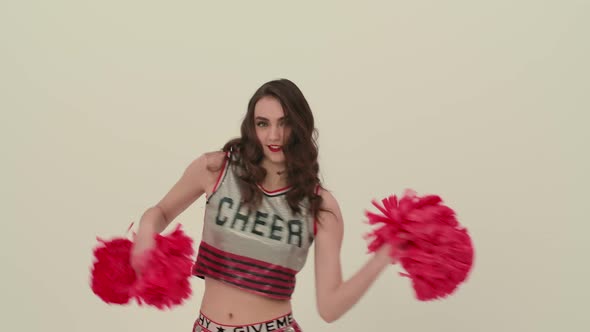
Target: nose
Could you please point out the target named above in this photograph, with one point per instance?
(275, 133)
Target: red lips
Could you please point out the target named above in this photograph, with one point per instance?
(274, 148)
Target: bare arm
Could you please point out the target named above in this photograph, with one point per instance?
(335, 296)
(192, 184)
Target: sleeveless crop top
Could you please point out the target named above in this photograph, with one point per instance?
(261, 250)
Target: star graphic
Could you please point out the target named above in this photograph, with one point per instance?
(220, 329)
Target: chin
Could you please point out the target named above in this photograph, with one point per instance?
(276, 158)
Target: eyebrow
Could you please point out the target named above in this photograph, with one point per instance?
(263, 118)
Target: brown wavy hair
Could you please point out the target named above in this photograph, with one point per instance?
(301, 149)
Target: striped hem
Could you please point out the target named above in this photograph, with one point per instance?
(247, 273)
(273, 193)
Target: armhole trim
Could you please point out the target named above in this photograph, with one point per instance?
(221, 176)
(315, 219)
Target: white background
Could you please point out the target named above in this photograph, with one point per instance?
(104, 103)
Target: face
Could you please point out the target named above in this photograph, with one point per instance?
(272, 129)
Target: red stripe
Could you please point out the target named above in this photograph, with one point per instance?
(262, 289)
(315, 226)
(315, 220)
(270, 274)
(266, 275)
(245, 279)
(270, 192)
(249, 260)
(220, 176)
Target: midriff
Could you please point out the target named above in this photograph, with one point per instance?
(227, 304)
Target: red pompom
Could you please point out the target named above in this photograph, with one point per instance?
(164, 282)
(112, 275)
(438, 252)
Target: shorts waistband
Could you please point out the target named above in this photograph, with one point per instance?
(284, 323)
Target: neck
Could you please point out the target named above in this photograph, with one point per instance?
(276, 176)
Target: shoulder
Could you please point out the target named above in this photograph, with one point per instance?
(330, 209)
(329, 223)
(207, 163)
(203, 171)
(214, 160)
(328, 199)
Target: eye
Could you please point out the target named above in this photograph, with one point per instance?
(261, 124)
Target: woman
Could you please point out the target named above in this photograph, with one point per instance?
(265, 207)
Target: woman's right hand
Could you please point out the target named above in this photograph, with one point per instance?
(140, 250)
(193, 183)
(143, 242)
